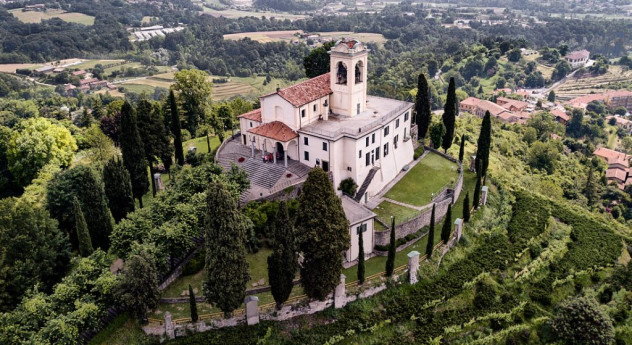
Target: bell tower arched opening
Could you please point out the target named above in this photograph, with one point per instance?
(341, 74)
(359, 69)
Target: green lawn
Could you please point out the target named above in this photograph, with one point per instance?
(258, 270)
(123, 330)
(200, 143)
(424, 180)
(385, 210)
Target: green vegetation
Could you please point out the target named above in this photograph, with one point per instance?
(38, 16)
(424, 180)
(385, 210)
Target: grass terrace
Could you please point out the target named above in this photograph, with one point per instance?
(424, 180)
(37, 16)
(386, 209)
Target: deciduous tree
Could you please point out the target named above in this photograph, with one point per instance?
(194, 93)
(317, 61)
(582, 321)
(137, 288)
(323, 232)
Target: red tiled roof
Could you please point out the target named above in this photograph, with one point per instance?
(561, 114)
(493, 108)
(254, 115)
(276, 130)
(473, 101)
(616, 173)
(580, 54)
(88, 81)
(613, 156)
(307, 91)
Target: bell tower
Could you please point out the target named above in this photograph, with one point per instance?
(348, 71)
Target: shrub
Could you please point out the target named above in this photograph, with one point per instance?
(581, 321)
(195, 264)
(485, 295)
(418, 152)
(348, 186)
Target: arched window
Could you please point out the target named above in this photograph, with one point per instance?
(341, 74)
(358, 72)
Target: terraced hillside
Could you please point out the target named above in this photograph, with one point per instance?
(575, 87)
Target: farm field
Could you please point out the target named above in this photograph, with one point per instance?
(11, 67)
(362, 36)
(237, 86)
(92, 63)
(576, 87)
(231, 14)
(36, 16)
(265, 36)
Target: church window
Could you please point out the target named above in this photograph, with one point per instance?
(324, 146)
(341, 74)
(303, 113)
(395, 141)
(314, 107)
(373, 138)
(386, 129)
(367, 140)
(250, 124)
(368, 159)
(306, 155)
(377, 153)
(385, 149)
(306, 141)
(360, 154)
(397, 123)
(361, 228)
(406, 116)
(358, 72)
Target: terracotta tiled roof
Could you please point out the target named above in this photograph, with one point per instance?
(580, 54)
(276, 130)
(507, 103)
(472, 101)
(254, 115)
(561, 114)
(307, 91)
(616, 173)
(493, 108)
(612, 156)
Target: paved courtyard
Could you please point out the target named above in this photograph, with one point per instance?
(266, 178)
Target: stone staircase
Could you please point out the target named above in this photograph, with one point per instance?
(263, 175)
(366, 184)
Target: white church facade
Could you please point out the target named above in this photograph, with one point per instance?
(330, 122)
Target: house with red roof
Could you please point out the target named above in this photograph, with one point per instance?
(618, 166)
(578, 58)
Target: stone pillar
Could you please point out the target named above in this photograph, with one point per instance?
(285, 158)
(484, 192)
(158, 182)
(274, 154)
(473, 163)
(458, 228)
(340, 294)
(413, 266)
(171, 334)
(252, 310)
(252, 149)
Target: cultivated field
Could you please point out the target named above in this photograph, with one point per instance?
(36, 17)
(265, 36)
(92, 63)
(576, 87)
(239, 14)
(362, 36)
(11, 67)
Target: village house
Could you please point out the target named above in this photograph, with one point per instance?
(560, 116)
(619, 121)
(618, 166)
(577, 58)
(330, 122)
(612, 99)
(511, 104)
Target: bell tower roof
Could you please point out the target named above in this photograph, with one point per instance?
(348, 46)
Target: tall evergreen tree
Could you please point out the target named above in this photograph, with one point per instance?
(462, 148)
(84, 183)
(323, 231)
(283, 263)
(175, 128)
(83, 236)
(466, 208)
(118, 189)
(390, 260)
(483, 145)
(430, 244)
(155, 137)
(193, 305)
(137, 290)
(551, 97)
(226, 266)
(422, 107)
(449, 116)
(361, 256)
(133, 153)
(477, 192)
(447, 225)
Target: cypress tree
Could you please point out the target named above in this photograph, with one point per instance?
(83, 236)
(118, 189)
(226, 266)
(155, 137)
(390, 260)
(447, 225)
(175, 129)
(430, 244)
(449, 116)
(462, 148)
(193, 305)
(361, 256)
(477, 192)
(283, 263)
(483, 145)
(466, 208)
(133, 153)
(422, 106)
(323, 231)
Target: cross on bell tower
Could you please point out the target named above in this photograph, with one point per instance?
(348, 69)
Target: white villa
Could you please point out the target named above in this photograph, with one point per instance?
(329, 121)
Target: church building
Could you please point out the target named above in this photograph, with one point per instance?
(329, 121)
